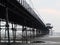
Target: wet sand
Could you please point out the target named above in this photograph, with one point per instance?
(51, 40)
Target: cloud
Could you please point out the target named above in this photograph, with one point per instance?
(49, 11)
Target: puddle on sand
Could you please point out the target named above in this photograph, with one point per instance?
(38, 42)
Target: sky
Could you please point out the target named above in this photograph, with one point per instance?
(48, 11)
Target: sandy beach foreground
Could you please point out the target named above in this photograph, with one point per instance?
(51, 40)
(48, 40)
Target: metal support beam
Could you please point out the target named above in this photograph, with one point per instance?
(0, 31)
(30, 36)
(5, 32)
(24, 29)
(22, 33)
(26, 36)
(14, 32)
(0, 35)
(36, 32)
(33, 33)
(7, 26)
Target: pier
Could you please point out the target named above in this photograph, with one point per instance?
(16, 13)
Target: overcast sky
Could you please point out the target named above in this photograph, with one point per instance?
(49, 10)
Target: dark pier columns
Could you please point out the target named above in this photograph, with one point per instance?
(30, 35)
(7, 26)
(22, 33)
(5, 32)
(38, 32)
(0, 35)
(24, 38)
(14, 32)
(23, 29)
(33, 31)
(0, 30)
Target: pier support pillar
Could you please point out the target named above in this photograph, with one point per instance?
(0, 31)
(14, 32)
(5, 31)
(24, 39)
(22, 33)
(33, 32)
(26, 36)
(7, 26)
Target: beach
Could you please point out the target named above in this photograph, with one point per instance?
(46, 40)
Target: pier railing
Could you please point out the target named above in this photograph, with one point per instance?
(29, 8)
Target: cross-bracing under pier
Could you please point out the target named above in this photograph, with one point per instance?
(17, 33)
